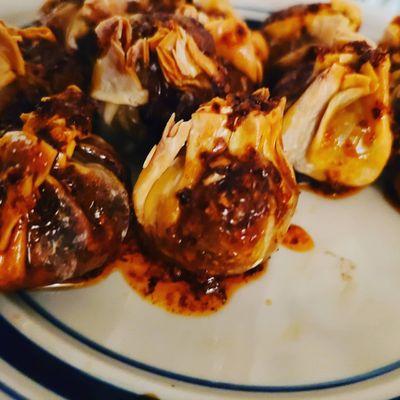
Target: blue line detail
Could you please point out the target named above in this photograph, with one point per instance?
(51, 372)
(10, 392)
(198, 381)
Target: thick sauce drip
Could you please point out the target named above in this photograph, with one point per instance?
(298, 239)
(176, 290)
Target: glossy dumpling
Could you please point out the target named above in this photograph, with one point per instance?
(32, 65)
(391, 43)
(64, 210)
(338, 130)
(217, 193)
(13, 67)
(235, 42)
(294, 29)
(12, 63)
(73, 20)
(146, 58)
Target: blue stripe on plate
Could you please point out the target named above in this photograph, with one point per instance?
(198, 381)
(52, 373)
(11, 392)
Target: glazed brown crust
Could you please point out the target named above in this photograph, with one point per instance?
(79, 215)
(72, 105)
(291, 82)
(50, 69)
(221, 220)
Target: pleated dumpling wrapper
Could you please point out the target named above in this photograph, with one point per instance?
(391, 43)
(126, 72)
(73, 20)
(12, 63)
(338, 131)
(216, 195)
(235, 42)
(292, 31)
(63, 207)
(33, 65)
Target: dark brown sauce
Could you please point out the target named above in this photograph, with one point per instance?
(175, 290)
(389, 184)
(328, 190)
(221, 221)
(391, 197)
(298, 239)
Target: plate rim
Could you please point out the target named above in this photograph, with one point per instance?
(201, 382)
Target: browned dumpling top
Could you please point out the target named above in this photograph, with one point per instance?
(216, 194)
(32, 65)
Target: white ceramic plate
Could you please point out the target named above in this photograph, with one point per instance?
(322, 324)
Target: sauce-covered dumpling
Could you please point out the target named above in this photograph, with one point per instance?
(153, 58)
(147, 58)
(391, 43)
(216, 195)
(235, 42)
(72, 20)
(32, 65)
(63, 208)
(337, 124)
(338, 130)
(295, 29)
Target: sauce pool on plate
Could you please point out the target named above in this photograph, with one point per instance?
(177, 290)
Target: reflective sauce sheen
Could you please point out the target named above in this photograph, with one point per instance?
(174, 289)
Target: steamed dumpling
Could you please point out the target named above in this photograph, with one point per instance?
(64, 210)
(338, 129)
(72, 20)
(295, 29)
(391, 42)
(244, 49)
(32, 65)
(161, 63)
(216, 195)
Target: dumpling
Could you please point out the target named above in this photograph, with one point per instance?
(32, 65)
(295, 29)
(152, 58)
(244, 49)
(337, 125)
(391, 42)
(64, 210)
(74, 20)
(160, 62)
(338, 129)
(216, 195)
